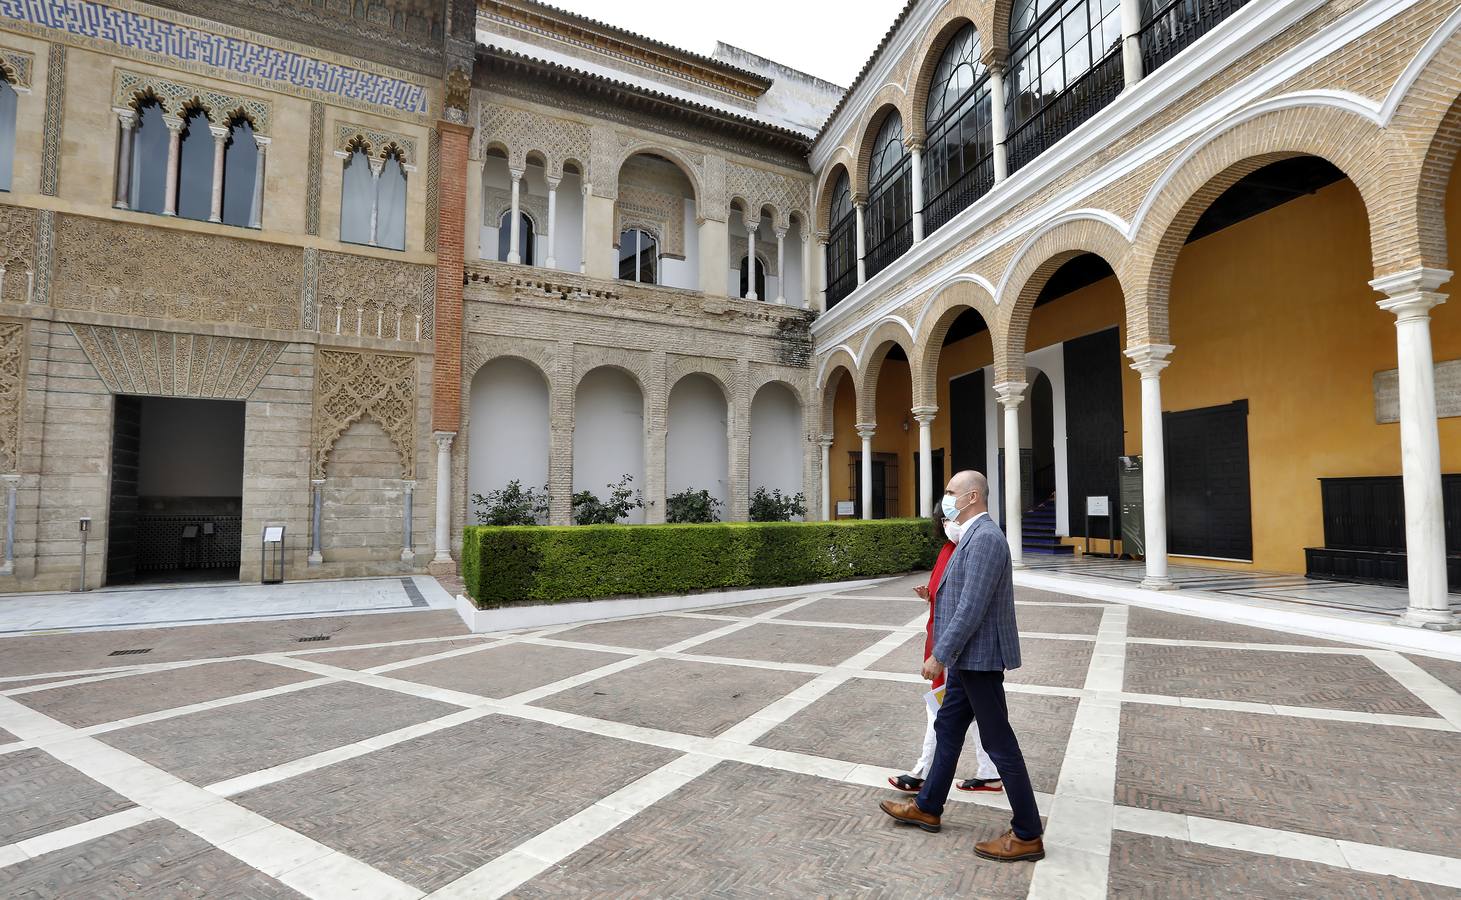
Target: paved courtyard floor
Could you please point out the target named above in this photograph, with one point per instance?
(730, 752)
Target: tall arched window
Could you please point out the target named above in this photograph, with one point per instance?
(841, 243)
(1065, 65)
(373, 201)
(760, 278)
(390, 228)
(240, 175)
(195, 167)
(7, 133)
(889, 197)
(524, 237)
(357, 195)
(638, 256)
(958, 162)
(149, 160)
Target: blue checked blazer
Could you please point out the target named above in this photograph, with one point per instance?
(974, 616)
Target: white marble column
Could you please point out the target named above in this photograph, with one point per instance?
(174, 152)
(583, 240)
(865, 498)
(126, 134)
(1150, 360)
(751, 226)
(915, 149)
(819, 303)
(858, 206)
(924, 415)
(1010, 394)
(443, 495)
(550, 261)
(220, 138)
(12, 486)
(999, 123)
(316, 515)
(1410, 297)
(408, 552)
(376, 167)
(807, 264)
(781, 266)
(256, 215)
(825, 442)
(513, 254)
(1131, 41)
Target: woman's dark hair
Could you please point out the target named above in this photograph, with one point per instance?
(938, 521)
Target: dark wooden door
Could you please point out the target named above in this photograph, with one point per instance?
(1209, 510)
(1093, 421)
(122, 505)
(966, 422)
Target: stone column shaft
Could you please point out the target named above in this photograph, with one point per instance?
(443, 498)
(781, 266)
(751, 259)
(858, 207)
(12, 486)
(220, 138)
(916, 150)
(826, 486)
(924, 415)
(865, 498)
(550, 261)
(1010, 394)
(126, 134)
(316, 516)
(174, 152)
(408, 543)
(513, 254)
(999, 123)
(820, 302)
(807, 264)
(1150, 360)
(1131, 41)
(256, 216)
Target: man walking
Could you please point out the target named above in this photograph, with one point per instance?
(975, 641)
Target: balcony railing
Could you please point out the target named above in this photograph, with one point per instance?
(1066, 111)
(954, 199)
(840, 286)
(1177, 24)
(892, 246)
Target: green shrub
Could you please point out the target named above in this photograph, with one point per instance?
(692, 508)
(513, 505)
(588, 509)
(773, 506)
(511, 565)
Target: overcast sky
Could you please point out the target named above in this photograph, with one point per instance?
(827, 38)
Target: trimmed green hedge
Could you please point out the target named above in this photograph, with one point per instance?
(537, 564)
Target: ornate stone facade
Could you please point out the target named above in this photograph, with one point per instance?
(17, 253)
(12, 389)
(122, 268)
(661, 214)
(131, 89)
(520, 132)
(373, 297)
(375, 142)
(17, 67)
(351, 385)
(757, 188)
(169, 364)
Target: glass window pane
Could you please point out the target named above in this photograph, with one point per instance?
(240, 168)
(195, 169)
(7, 134)
(356, 189)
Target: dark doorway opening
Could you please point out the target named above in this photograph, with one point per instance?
(176, 490)
(1042, 439)
(885, 485)
(936, 480)
(1209, 509)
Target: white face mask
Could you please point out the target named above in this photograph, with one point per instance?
(953, 530)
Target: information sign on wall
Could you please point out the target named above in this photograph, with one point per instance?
(1128, 479)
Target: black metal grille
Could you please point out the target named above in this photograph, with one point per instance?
(1066, 110)
(841, 259)
(973, 184)
(1173, 26)
(892, 246)
(312, 638)
(130, 652)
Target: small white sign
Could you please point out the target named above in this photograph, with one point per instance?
(1098, 506)
(844, 507)
(273, 534)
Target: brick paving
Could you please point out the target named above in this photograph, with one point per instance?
(692, 801)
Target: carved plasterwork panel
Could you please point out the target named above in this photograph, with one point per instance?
(12, 387)
(498, 201)
(373, 297)
(350, 385)
(161, 363)
(758, 188)
(128, 88)
(374, 142)
(661, 214)
(17, 252)
(522, 132)
(18, 66)
(138, 270)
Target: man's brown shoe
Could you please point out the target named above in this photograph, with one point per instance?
(907, 812)
(1008, 848)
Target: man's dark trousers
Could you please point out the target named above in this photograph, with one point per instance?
(979, 697)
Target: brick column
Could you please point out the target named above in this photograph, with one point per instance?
(656, 416)
(739, 474)
(446, 372)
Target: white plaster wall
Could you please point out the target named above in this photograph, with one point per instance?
(993, 440)
(697, 456)
(684, 273)
(791, 278)
(494, 175)
(608, 433)
(568, 229)
(1051, 361)
(191, 448)
(508, 428)
(776, 440)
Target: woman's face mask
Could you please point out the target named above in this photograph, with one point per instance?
(953, 530)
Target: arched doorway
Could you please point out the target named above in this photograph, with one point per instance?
(776, 440)
(697, 455)
(608, 434)
(508, 429)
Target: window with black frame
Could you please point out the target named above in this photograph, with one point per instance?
(890, 197)
(841, 243)
(1064, 66)
(958, 158)
(1169, 26)
(638, 256)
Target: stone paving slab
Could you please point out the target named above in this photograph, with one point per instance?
(378, 656)
(211, 746)
(881, 723)
(1154, 623)
(1447, 670)
(39, 794)
(6, 737)
(747, 610)
(860, 611)
(744, 832)
(1143, 866)
(83, 705)
(1035, 595)
(901, 586)
(810, 644)
(1057, 620)
(429, 810)
(1054, 663)
(503, 671)
(1265, 676)
(906, 657)
(156, 859)
(687, 697)
(1368, 783)
(650, 633)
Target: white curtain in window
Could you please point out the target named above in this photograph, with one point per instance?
(149, 161)
(355, 196)
(240, 166)
(7, 134)
(195, 171)
(391, 218)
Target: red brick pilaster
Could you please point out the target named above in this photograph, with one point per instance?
(451, 206)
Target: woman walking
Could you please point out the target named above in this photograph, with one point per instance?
(987, 776)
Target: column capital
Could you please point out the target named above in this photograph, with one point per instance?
(924, 415)
(866, 431)
(377, 165)
(219, 132)
(126, 116)
(824, 238)
(409, 484)
(914, 143)
(1010, 393)
(751, 223)
(859, 200)
(553, 182)
(317, 481)
(517, 174)
(11, 480)
(443, 439)
(262, 142)
(1149, 359)
(1416, 305)
(780, 233)
(1419, 279)
(824, 441)
(173, 123)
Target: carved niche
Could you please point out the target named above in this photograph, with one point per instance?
(758, 188)
(138, 270)
(521, 132)
(350, 385)
(161, 363)
(661, 214)
(18, 67)
(12, 386)
(130, 88)
(372, 297)
(17, 252)
(376, 143)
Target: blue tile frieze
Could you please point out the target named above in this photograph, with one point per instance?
(136, 31)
